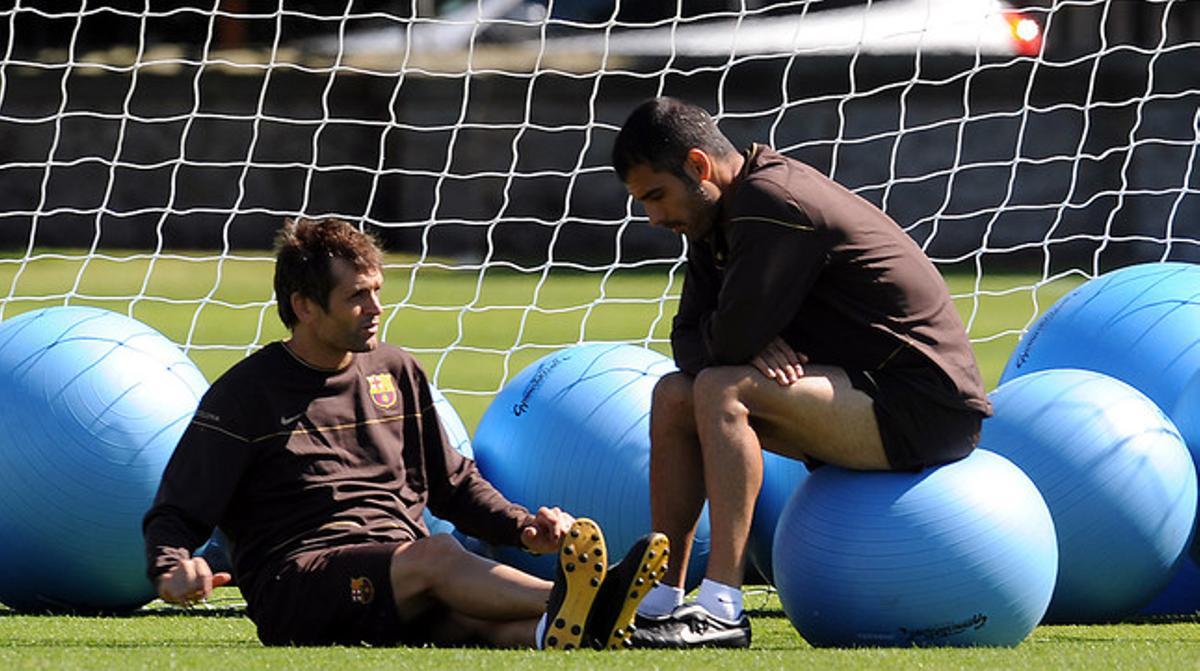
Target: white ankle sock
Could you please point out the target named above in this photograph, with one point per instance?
(720, 599)
(540, 631)
(660, 600)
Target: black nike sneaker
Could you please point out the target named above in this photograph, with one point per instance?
(691, 626)
(582, 565)
(610, 624)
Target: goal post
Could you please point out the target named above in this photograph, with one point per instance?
(149, 151)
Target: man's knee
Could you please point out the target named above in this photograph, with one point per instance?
(673, 396)
(440, 547)
(718, 389)
(418, 571)
(427, 557)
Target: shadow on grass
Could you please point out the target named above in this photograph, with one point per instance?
(766, 611)
(172, 643)
(1194, 618)
(158, 611)
(1142, 628)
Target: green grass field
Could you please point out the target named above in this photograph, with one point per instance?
(473, 331)
(222, 638)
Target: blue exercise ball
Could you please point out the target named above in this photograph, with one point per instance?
(781, 477)
(1139, 324)
(573, 430)
(459, 438)
(957, 555)
(1116, 476)
(1181, 596)
(92, 404)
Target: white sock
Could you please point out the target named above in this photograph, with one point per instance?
(661, 600)
(540, 631)
(720, 599)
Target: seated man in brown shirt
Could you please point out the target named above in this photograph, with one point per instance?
(317, 455)
(809, 325)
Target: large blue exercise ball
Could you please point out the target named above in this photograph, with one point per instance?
(1139, 324)
(92, 404)
(957, 555)
(781, 477)
(1181, 596)
(459, 438)
(1116, 476)
(573, 430)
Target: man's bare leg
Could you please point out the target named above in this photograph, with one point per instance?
(676, 471)
(438, 569)
(739, 412)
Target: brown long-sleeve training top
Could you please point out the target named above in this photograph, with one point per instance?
(796, 255)
(286, 458)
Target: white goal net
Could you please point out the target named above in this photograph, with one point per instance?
(149, 150)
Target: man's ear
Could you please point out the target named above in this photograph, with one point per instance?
(302, 306)
(699, 164)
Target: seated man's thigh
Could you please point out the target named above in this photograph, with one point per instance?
(913, 430)
(821, 417)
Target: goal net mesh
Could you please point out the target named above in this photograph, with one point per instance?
(150, 150)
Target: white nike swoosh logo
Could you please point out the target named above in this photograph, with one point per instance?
(290, 420)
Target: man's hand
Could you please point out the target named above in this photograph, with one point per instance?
(780, 362)
(547, 531)
(190, 581)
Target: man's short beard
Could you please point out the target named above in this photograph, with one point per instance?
(704, 207)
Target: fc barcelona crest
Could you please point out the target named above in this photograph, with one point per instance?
(361, 590)
(383, 390)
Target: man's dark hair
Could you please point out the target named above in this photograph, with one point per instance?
(661, 131)
(304, 250)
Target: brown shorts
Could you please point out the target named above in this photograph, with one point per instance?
(339, 596)
(917, 430)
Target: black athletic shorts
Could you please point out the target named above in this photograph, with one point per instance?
(339, 596)
(917, 430)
